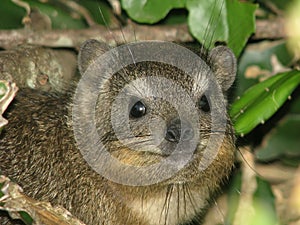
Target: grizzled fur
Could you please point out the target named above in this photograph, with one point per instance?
(38, 151)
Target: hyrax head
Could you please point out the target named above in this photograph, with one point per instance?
(149, 112)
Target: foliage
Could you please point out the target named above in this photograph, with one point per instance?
(61, 16)
(218, 19)
(262, 100)
(263, 203)
(266, 75)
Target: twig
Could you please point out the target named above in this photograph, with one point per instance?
(245, 208)
(270, 29)
(7, 92)
(81, 10)
(273, 7)
(26, 19)
(15, 201)
(115, 4)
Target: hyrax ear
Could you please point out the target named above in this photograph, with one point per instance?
(89, 51)
(223, 64)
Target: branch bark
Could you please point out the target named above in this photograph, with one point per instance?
(15, 201)
(265, 29)
(73, 38)
(270, 29)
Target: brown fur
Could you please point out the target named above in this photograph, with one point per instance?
(38, 151)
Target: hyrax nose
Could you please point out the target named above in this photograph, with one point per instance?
(179, 129)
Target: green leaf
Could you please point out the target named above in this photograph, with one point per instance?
(10, 15)
(259, 55)
(150, 11)
(282, 141)
(291, 161)
(295, 106)
(216, 21)
(261, 101)
(264, 204)
(99, 10)
(60, 17)
(26, 218)
(1, 185)
(1, 193)
(177, 16)
(234, 194)
(209, 21)
(3, 89)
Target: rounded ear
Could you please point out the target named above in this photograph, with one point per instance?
(223, 64)
(89, 51)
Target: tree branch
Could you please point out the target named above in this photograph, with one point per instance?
(270, 29)
(73, 38)
(265, 29)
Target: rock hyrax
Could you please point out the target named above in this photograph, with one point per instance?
(38, 149)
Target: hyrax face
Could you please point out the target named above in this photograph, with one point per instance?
(151, 112)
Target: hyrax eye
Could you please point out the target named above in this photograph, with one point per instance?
(138, 110)
(204, 104)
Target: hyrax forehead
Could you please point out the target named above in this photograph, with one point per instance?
(158, 85)
(142, 70)
(220, 59)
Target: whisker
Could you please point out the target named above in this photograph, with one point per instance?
(184, 199)
(191, 198)
(207, 35)
(129, 50)
(106, 24)
(221, 131)
(112, 35)
(178, 201)
(219, 210)
(143, 196)
(248, 164)
(168, 205)
(137, 143)
(216, 23)
(165, 202)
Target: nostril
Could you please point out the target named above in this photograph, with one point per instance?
(172, 135)
(179, 130)
(187, 134)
